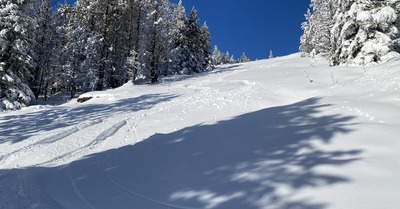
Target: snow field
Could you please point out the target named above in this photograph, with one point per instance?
(288, 132)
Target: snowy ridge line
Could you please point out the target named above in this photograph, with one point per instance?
(91, 146)
(134, 194)
(10, 157)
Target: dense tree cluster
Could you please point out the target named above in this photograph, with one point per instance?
(94, 44)
(352, 31)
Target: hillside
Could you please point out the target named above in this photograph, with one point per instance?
(288, 132)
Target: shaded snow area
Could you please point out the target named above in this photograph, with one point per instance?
(285, 133)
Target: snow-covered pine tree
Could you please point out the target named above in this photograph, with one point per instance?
(72, 51)
(52, 79)
(119, 50)
(316, 36)
(217, 57)
(100, 20)
(305, 39)
(178, 31)
(227, 58)
(364, 31)
(196, 48)
(132, 27)
(193, 43)
(158, 44)
(232, 60)
(80, 46)
(271, 56)
(42, 35)
(205, 47)
(243, 58)
(113, 53)
(15, 61)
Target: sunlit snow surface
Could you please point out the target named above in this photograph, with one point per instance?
(289, 132)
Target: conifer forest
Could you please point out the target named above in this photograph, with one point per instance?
(93, 45)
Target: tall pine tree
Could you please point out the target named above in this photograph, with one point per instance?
(15, 59)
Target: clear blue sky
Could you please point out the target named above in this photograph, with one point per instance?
(254, 27)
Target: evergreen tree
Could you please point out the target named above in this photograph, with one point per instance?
(178, 31)
(352, 32)
(217, 56)
(133, 28)
(316, 37)
(15, 61)
(305, 39)
(42, 35)
(205, 47)
(227, 58)
(364, 31)
(193, 43)
(232, 60)
(80, 58)
(271, 56)
(158, 39)
(243, 58)
(196, 48)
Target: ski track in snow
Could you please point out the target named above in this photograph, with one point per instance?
(137, 195)
(76, 190)
(108, 133)
(70, 131)
(26, 150)
(94, 145)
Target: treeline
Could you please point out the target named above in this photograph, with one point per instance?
(94, 44)
(356, 32)
(219, 58)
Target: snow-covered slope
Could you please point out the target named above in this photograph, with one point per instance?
(289, 132)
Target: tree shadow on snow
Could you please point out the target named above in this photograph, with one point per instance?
(243, 162)
(16, 128)
(256, 160)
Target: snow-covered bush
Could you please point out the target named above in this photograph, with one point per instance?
(13, 93)
(364, 32)
(360, 31)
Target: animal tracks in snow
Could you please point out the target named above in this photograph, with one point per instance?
(359, 111)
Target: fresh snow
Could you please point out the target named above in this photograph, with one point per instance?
(288, 132)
